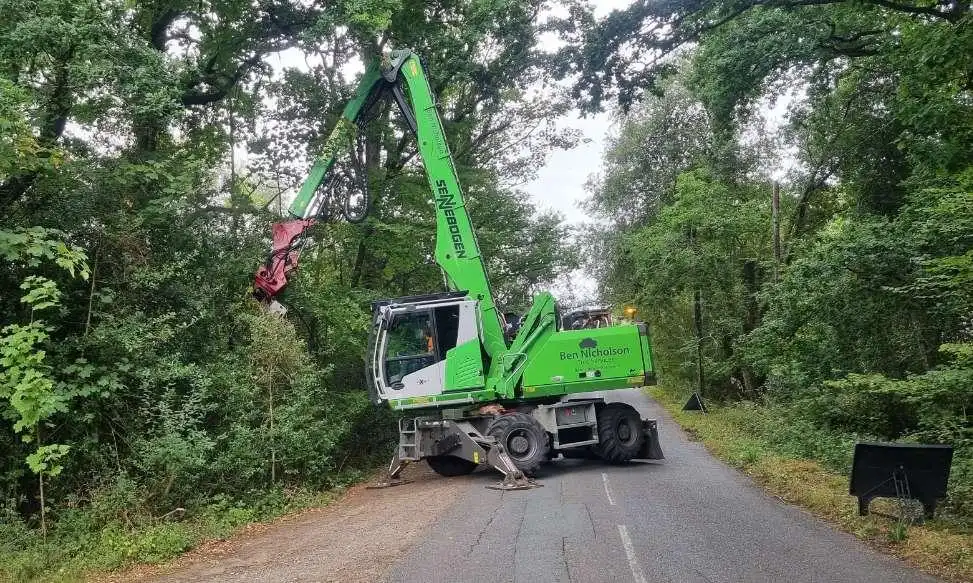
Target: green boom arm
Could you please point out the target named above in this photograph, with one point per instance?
(457, 251)
(371, 87)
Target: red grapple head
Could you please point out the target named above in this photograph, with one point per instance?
(271, 277)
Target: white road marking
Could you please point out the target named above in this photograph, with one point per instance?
(633, 563)
(604, 478)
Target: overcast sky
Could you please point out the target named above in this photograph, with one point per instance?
(560, 182)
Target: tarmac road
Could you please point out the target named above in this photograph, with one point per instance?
(688, 519)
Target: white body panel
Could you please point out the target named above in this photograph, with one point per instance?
(424, 382)
(430, 380)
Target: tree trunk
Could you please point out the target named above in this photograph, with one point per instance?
(273, 447)
(359, 267)
(775, 220)
(91, 296)
(40, 484)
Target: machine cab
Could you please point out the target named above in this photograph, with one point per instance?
(424, 346)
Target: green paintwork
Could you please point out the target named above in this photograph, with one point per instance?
(457, 251)
(464, 367)
(646, 341)
(541, 361)
(536, 326)
(573, 361)
(342, 135)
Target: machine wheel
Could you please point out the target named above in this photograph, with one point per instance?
(524, 439)
(620, 434)
(450, 465)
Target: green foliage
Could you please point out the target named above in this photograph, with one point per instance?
(25, 381)
(895, 291)
(136, 347)
(114, 531)
(833, 311)
(658, 140)
(861, 326)
(33, 245)
(44, 459)
(24, 376)
(710, 238)
(899, 532)
(624, 55)
(20, 150)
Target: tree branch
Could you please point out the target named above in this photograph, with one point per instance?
(220, 90)
(160, 25)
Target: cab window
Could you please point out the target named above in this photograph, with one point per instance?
(411, 346)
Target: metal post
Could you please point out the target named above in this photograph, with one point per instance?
(697, 318)
(698, 329)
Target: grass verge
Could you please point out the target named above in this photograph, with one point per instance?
(80, 546)
(792, 464)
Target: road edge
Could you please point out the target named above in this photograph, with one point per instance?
(933, 548)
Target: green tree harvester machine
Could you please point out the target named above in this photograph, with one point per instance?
(479, 394)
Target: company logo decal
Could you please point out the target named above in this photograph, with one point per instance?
(446, 203)
(588, 348)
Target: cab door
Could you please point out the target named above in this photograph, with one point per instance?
(423, 349)
(411, 364)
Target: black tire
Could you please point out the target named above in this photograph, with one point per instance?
(450, 465)
(523, 438)
(620, 434)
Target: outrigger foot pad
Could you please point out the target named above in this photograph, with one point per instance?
(392, 474)
(513, 477)
(510, 483)
(388, 484)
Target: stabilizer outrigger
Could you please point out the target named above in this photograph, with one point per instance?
(427, 437)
